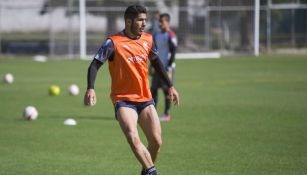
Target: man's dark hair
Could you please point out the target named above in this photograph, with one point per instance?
(134, 10)
(168, 17)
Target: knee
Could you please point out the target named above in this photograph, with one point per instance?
(133, 140)
(156, 143)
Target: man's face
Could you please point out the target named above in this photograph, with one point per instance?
(164, 24)
(139, 24)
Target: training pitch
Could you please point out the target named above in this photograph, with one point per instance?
(237, 116)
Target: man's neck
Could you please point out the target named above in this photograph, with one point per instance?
(130, 35)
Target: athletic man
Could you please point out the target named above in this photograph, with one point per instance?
(166, 43)
(128, 53)
(155, 23)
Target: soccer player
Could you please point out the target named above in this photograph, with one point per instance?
(155, 23)
(166, 43)
(127, 54)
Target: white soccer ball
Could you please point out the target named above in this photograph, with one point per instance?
(70, 122)
(40, 58)
(30, 113)
(73, 90)
(8, 78)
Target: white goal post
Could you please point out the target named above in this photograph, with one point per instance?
(82, 7)
(257, 27)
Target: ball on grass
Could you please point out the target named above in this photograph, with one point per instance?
(54, 90)
(73, 90)
(30, 113)
(70, 122)
(40, 58)
(8, 78)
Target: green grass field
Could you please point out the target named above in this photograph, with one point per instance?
(239, 116)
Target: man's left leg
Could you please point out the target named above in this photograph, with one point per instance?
(150, 124)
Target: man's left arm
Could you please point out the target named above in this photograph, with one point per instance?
(159, 68)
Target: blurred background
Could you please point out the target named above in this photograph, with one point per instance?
(227, 27)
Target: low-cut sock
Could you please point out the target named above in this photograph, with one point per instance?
(150, 171)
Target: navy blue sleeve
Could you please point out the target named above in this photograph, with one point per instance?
(105, 52)
(154, 53)
(158, 66)
(92, 72)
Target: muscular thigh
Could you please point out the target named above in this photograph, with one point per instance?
(127, 119)
(149, 122)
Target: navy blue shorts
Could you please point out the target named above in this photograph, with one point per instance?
(137, 106)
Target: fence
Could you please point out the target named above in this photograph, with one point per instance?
(52, 27)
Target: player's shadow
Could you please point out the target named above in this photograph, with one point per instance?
(95, 117)
(84, 117)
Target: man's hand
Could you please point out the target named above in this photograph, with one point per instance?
(90, 97)
(173, 95)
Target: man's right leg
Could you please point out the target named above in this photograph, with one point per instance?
(127, 119)
(150, 124)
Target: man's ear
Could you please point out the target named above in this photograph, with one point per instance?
(128, 21)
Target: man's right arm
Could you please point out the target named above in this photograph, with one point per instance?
(105, 52)
(92, 73)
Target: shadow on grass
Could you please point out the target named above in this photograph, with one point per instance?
(83, 117)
